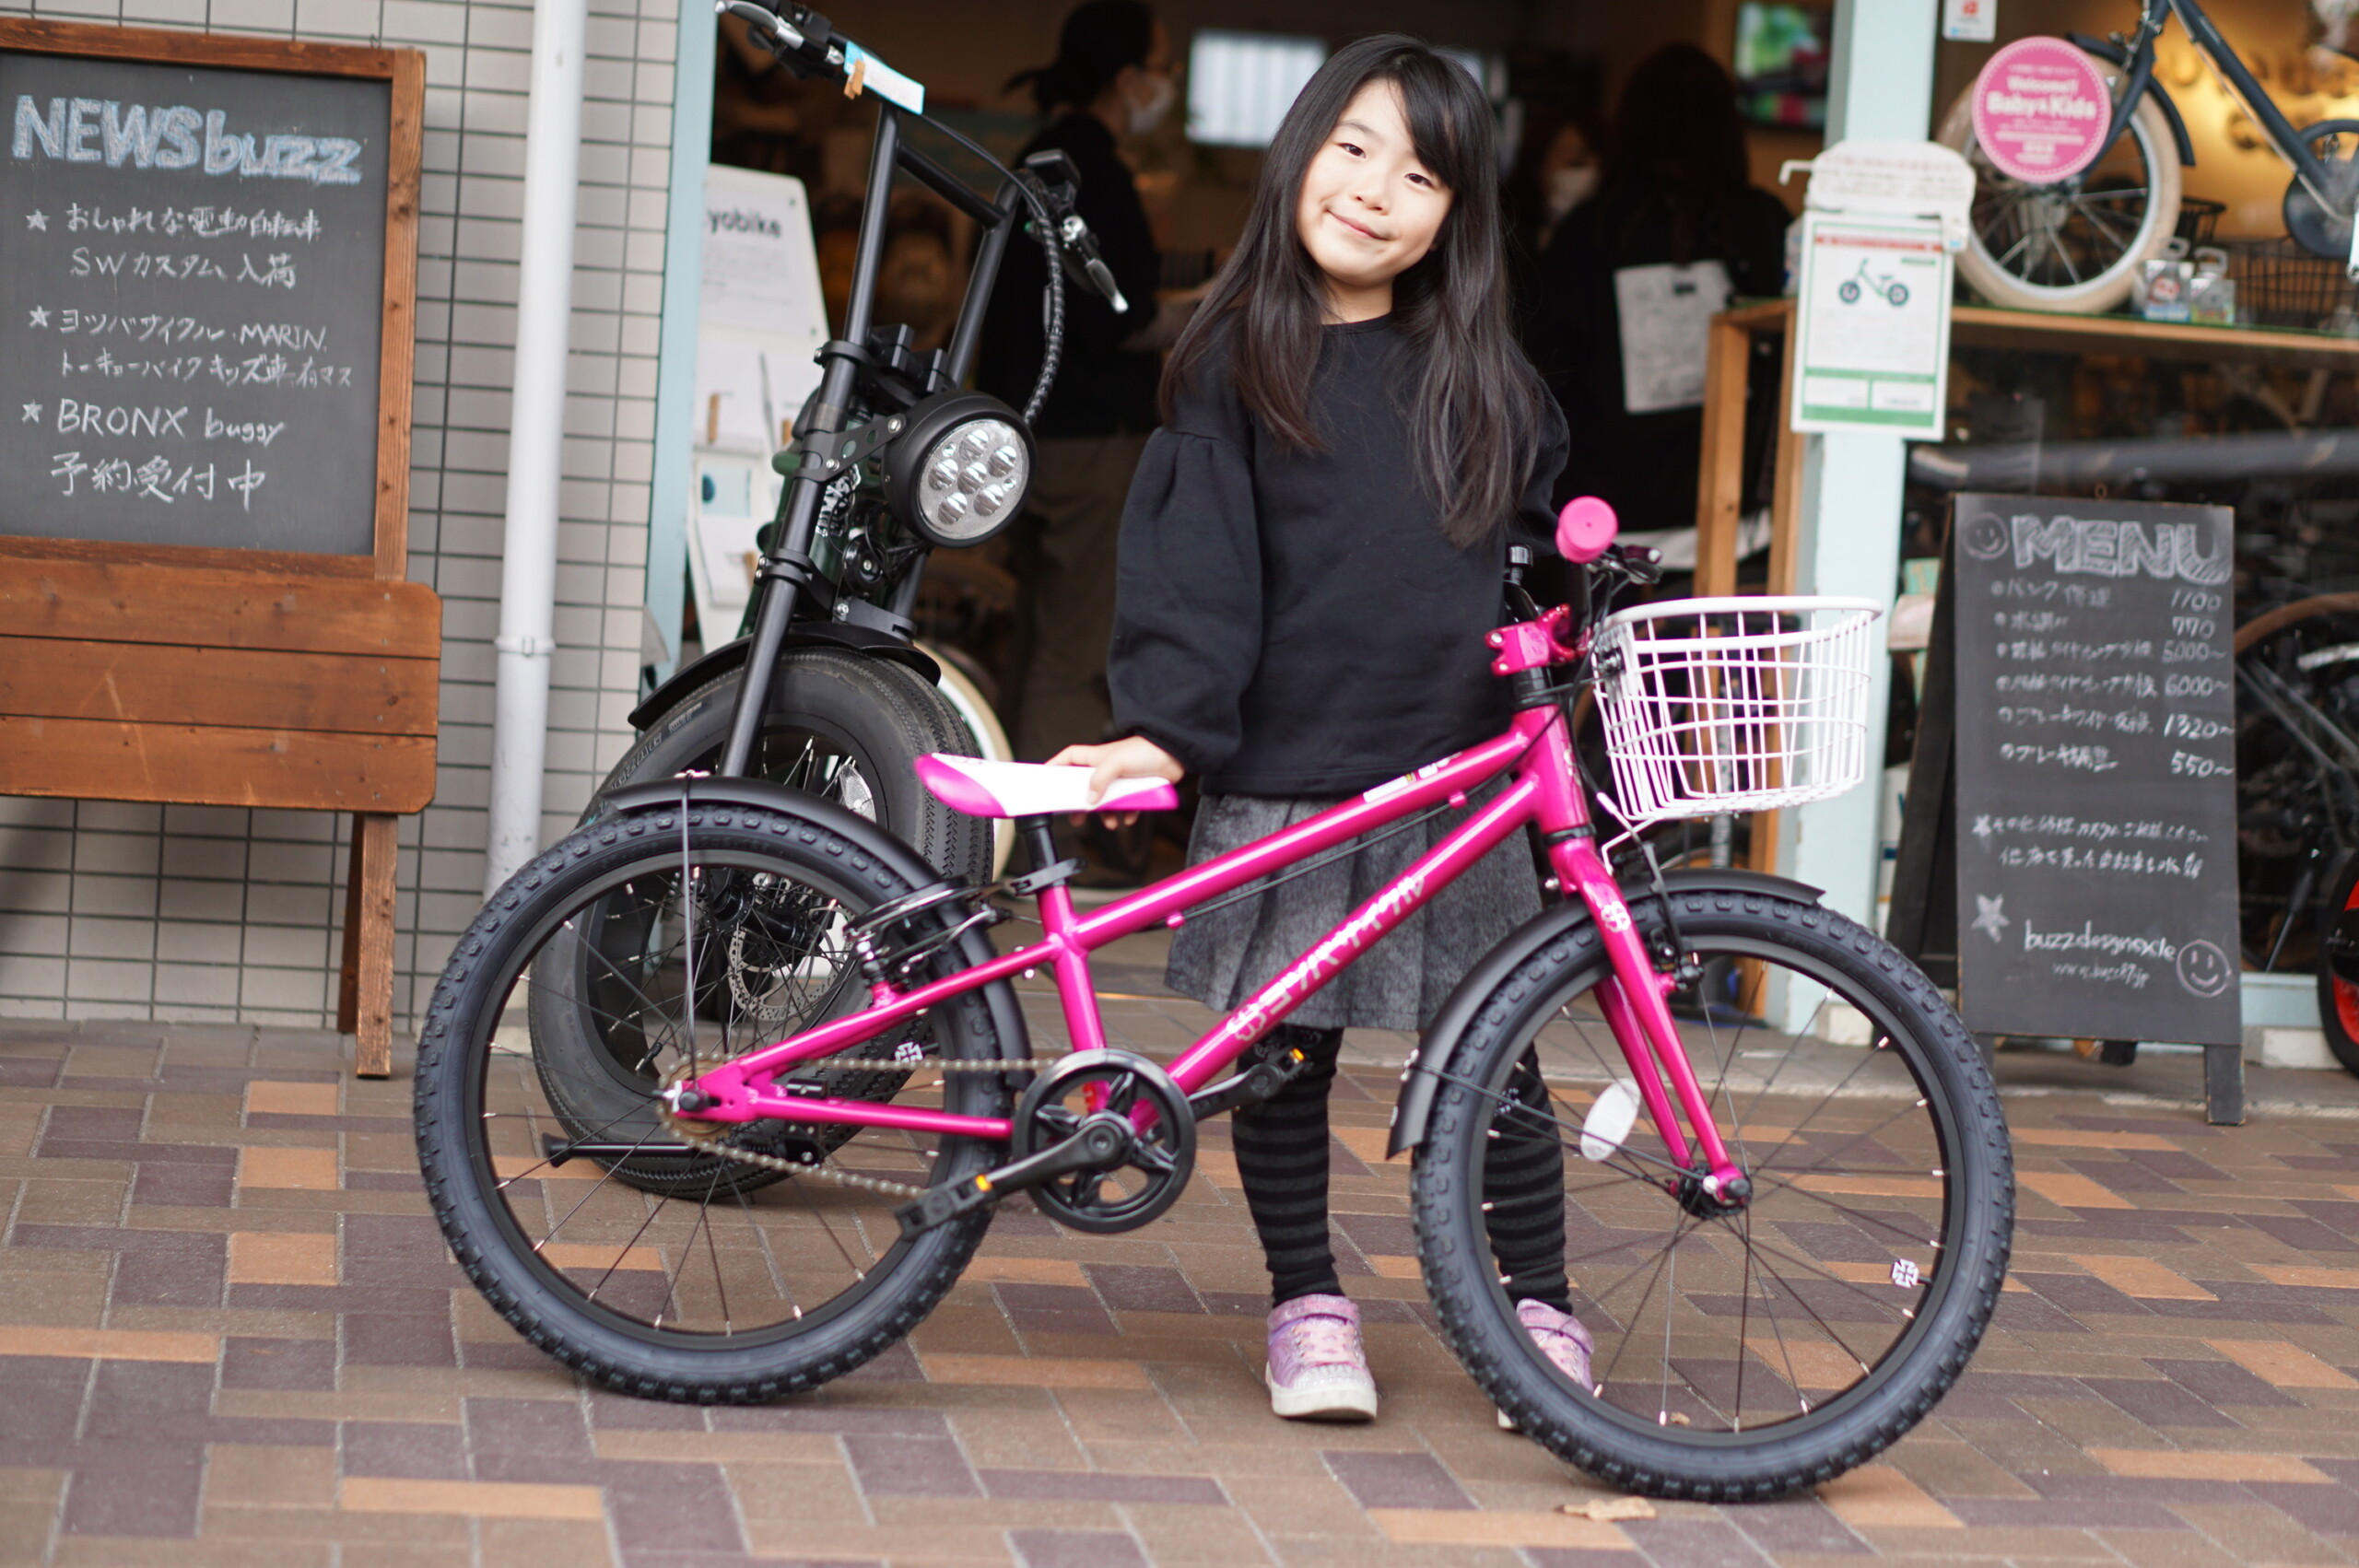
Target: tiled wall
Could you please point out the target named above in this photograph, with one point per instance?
(185, 913)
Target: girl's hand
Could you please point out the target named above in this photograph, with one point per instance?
(1134, 757)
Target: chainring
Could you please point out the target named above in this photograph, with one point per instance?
(1148, 1178)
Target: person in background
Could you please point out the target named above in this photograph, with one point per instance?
(1111, 77)
(1556, 170)
(1675, 230)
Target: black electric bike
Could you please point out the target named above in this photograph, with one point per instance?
(890, 461)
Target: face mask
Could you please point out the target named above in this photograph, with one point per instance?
(1567, 188)
(1160, 93)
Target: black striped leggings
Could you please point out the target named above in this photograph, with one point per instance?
(1282, 1160)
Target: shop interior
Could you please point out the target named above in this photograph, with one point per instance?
(2103, 414)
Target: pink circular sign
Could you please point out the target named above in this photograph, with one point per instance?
(2041, 110)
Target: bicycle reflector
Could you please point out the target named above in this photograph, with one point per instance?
(960, 470)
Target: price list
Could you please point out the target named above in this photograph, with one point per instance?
(2095, 769)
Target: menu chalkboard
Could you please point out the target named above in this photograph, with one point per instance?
(2097, 846)
(193, 303)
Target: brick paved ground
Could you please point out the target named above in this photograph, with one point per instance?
(229, 1333)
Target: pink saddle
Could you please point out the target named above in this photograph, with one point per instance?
(1032, 789)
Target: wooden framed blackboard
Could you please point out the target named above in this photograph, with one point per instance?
(208, 259)
(2095, 774)
(207, 279)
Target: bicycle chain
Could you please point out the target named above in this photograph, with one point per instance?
(714, 1144)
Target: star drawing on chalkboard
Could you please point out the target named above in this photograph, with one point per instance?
(41, 315)
(37, 219)
(32, 414)
(1990, 915)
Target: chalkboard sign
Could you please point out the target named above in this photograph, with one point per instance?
(2096, 848)
(208, 262)
(195, 272)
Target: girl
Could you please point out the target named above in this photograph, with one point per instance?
(1310, 556)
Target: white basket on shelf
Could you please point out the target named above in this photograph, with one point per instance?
(1734, 704)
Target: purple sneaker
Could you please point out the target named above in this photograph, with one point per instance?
(1318, 1371)
(1560, 1337)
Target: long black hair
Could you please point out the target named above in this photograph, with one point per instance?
(1475, 412)
(1678, 144)
(1101, 40)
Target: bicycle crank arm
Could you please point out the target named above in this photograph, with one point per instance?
(1102, 1141)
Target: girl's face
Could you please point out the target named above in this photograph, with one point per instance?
(1369, 210)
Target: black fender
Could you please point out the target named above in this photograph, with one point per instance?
(1420, 1080)
(2106, 49)
(801, 634)
(865, 836)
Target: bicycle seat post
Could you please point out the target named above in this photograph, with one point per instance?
(1075, 991)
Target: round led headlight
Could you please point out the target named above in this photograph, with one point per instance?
(961, 469)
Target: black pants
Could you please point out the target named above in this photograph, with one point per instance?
(1281, 1159)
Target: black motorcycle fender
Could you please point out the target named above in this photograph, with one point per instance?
(1420, 1080)
(865, 837)
(803, 634)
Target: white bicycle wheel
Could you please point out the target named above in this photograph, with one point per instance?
(2076, 244)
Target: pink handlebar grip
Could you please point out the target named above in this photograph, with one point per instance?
(1584, 529)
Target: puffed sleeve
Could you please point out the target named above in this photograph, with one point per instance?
(1188, 601)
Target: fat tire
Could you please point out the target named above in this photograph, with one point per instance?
(883, 710)
(908, 1285)
(1455, 1253)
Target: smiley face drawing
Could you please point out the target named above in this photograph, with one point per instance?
(1986, 536)
(2203, 969)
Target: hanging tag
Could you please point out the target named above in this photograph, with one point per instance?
(1970, 21)
(870, 73)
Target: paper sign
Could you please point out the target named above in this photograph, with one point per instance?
(1665, 313)
(2041, 110)
(1970, 21)
(1875, 325)
(1896, 179)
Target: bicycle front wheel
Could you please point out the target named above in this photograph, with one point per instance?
(1738, 1352)
(620, 1245)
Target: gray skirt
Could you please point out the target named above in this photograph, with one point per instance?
(1222, 958)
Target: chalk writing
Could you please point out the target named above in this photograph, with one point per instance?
(90, 129)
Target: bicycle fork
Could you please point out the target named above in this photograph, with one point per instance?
(1634, 1001)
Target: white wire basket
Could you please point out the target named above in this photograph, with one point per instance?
(1734, 704)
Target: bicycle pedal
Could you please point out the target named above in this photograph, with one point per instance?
(940, 1205)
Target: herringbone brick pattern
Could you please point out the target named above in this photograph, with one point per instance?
(229, 1333)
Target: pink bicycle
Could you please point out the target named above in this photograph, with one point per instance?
(717, 1098)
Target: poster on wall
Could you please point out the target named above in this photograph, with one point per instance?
(1875, 325)
(1970, 21)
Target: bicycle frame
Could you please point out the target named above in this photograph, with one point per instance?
(1545, 794)
(2154, 15)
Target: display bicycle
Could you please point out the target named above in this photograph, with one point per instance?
(1783, 1272)
(2076, 244)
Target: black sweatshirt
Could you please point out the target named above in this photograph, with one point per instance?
(1295, 624)
(1101, 388)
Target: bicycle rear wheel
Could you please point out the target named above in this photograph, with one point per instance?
(1743, 1352)
(665, 1274)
